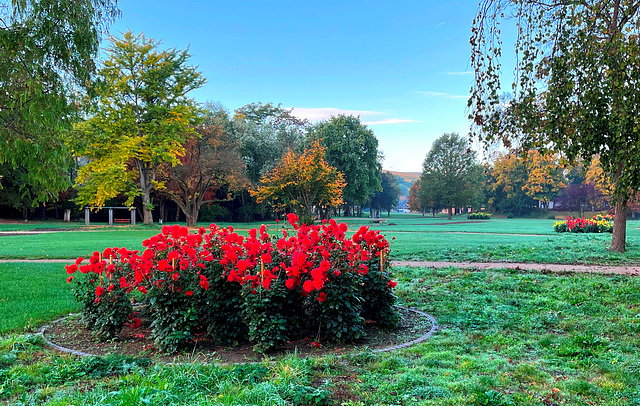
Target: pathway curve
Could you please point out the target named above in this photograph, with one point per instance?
(632, 270)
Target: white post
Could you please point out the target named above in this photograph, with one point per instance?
(133, 216)
(86, 216)
(110, 216)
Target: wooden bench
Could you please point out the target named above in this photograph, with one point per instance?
(121, 221)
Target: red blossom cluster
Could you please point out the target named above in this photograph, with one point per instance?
(173, 260)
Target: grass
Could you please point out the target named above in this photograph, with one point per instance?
(416, 238)
(31, 294)
(506, 337)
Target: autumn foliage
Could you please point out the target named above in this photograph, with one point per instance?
(303, 183)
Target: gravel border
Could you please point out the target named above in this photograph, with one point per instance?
(434, 327)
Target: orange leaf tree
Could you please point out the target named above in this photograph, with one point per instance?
(302, 183)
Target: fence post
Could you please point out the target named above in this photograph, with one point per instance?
(110, 216)
(86, 216)
(133, 216)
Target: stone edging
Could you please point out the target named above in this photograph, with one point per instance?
(434, 327)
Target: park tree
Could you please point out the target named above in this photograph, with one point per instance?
(211, 165)
(139, 121)
(48, 52)
(352, 148)
(414, 197)
(545, 177)
(575, 90)
(510, 174)
(601, 182)
(304, 183)
(265, 133)
(389, 196)
(450, 174)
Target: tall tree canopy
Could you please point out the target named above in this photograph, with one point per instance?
(389, 196)
(450, 173)
(48, 48)
(266, 132)
(576, 87)
(141, 117)
(353, 149)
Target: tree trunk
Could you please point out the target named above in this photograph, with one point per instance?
(619, 227)
(450, 211)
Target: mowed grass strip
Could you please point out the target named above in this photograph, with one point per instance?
(505, 338)
(31, 294)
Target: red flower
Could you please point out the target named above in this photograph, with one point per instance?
(143, 290)
(290, 283)
(71, 268)
(321, 297)
(69, 279)
(393, 284)
(307, 286)
(189, 293)
(99, 292)
(204, 283)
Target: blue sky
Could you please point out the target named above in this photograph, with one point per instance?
(401, 66)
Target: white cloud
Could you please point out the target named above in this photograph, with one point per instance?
(391, 121)
(323, 113)
(443, 95)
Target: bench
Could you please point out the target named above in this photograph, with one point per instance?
(121, 221)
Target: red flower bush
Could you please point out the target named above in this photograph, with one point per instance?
(230, 285)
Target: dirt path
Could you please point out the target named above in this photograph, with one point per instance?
(601, 269)
(558, 268)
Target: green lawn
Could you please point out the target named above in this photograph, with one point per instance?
(505, 338)
(31, 294)
(416, 238)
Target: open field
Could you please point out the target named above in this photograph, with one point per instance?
(416, 238)
(506, 337)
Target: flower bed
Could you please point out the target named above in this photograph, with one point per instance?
(233, 288)
(596, 224)
(479, 216)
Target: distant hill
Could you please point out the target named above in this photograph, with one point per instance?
(405, 180)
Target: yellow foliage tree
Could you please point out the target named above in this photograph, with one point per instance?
(302, 183)
(601, 183)
(545, 177)
(139, 121)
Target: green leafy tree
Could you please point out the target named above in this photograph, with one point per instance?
(353, 149)
(140, 120)
(389, 196)
(48, 52)
(265, 133)
(450, 174)
(575, 90)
